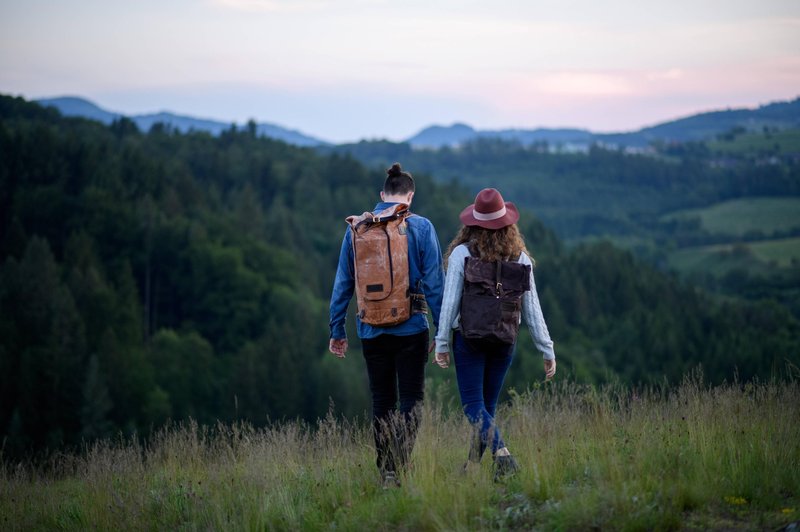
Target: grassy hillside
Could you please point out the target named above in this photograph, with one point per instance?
(692, 458)
(744, 248)
(748, 215)
(781, 142)
(783, 252)
(716, 260)
(761, 270)
(756, 257)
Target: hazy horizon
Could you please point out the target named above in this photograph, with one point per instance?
(354, 69)
(419, 129)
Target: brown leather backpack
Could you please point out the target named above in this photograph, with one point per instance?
(380, 248)
(491, 303)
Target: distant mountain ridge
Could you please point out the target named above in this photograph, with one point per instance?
(75, 106)
(700, 126)
(695, 127)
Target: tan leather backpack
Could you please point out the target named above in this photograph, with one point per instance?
(380, 248)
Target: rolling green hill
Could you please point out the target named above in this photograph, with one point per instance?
(754, 257)
(784, 252)
(778, 142)
(765, 216)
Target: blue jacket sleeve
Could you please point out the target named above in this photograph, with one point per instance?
(432, 273)
(343, 287)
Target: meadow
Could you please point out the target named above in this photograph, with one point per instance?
(781, 142)
(751, 219)
(660, 458)
(755, 257)
(748, 215)
(784, 252)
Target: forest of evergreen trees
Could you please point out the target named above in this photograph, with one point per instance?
(149, 276)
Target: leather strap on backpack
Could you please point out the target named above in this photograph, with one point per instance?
(498, 289)
(394, 212)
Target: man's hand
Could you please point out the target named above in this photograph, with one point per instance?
(549, 369)
(442, 359)
(338, 346)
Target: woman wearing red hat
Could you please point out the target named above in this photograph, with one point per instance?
(488, 242)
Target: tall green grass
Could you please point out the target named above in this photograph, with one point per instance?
(687, 458)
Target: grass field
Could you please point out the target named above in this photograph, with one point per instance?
(738, 217)
(778, 142)
(782, 251)
(753, 257)
(690, 458)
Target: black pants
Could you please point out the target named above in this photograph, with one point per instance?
(396, 366)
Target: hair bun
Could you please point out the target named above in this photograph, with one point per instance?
(395, 170)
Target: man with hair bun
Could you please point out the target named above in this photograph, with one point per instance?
(395, 354)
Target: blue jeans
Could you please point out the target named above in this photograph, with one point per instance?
(481, 367)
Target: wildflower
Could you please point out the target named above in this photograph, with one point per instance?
(736, 501)
(787, 511)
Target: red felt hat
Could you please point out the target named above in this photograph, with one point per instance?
(490, 211)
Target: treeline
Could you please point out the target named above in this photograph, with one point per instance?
(612, 311)
(147, 276)
(604, 192)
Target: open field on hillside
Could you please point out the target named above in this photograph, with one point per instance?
(776, 142)
(785, 251)
(753, 257)
(687, 458)
(739, 217)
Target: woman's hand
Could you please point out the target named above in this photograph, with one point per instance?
(549, 369)
(442, 359)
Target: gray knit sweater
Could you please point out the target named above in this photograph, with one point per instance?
(453, 286)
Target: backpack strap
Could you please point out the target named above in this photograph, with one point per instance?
(498, 288)
(399, 210)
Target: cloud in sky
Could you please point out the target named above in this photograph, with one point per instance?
(365, 68)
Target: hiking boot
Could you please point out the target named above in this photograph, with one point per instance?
(504, 467)
(390, 480)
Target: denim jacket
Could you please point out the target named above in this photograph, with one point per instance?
(425, 268)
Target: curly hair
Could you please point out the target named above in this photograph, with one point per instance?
(490, 244)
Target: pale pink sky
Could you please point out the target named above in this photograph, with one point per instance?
(349, 69)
